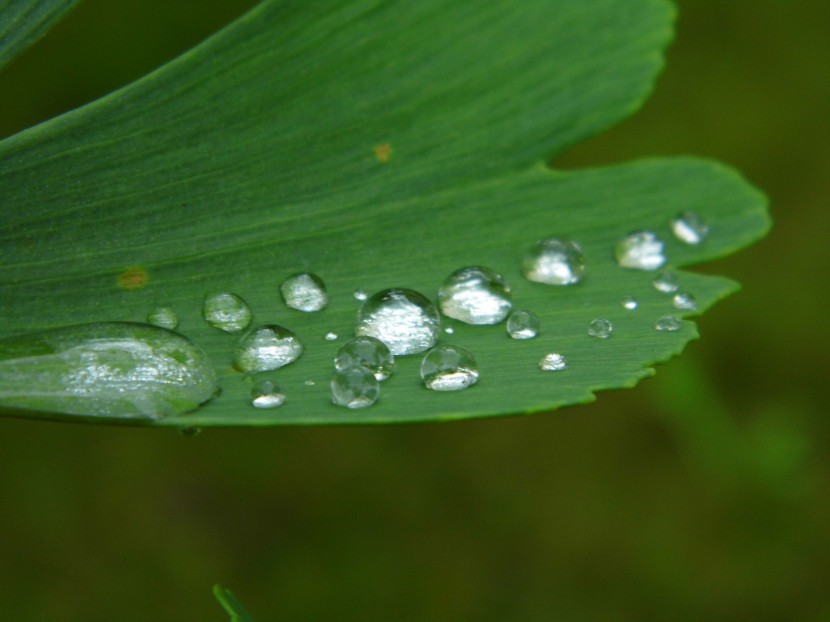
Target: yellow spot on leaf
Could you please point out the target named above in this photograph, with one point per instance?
(133, 278)
(383, 152)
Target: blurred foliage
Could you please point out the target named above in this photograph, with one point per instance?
(702, 494)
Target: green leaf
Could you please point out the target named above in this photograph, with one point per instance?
(23, 22)
(377, 144)
(230, 603)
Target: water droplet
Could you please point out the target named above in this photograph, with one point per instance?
(475, 295)
(164, 317)
(523, 325)
(266, 394)
(331, 336)
(360, 294)
(449, 330)
(267, 347)
(642, 250)
(553, 361)
(305, 292)
(601, 329)
(110, 369)
(684, 301)
(555, 262)
(309, 383)
(354, 387)
(690, 228)
(668, 323)
(403, 319)
(449, 368)
(227, 311)
(366, 352)
(630, 303)
(666, 282)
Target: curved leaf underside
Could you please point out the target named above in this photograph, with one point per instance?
(378, 144)
(23, 22)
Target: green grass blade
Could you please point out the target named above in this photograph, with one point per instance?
(230, 603)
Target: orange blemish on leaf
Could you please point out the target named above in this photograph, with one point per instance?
(383, 152)
(133, 278)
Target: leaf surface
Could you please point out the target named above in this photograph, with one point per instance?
(377, 144)
(23, 22)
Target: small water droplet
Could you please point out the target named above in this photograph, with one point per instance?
(475, 295)
(668, 323)
(188, 431)
(601, 329)
(553, 361)
(554, 261)
(164, 317)
(667, 282)
(266, 348)
(360, 294)
(309, 383)
(449, 368)
(641, 250)
(366, 352)
(331, 336)
(630, 303)
(403, 319)
(110, 369)
(227, 312)
(523, 325)
(305, 292)
(690, 228)
(684, 301)
(266, 394)
(449, 330)
(354, 387)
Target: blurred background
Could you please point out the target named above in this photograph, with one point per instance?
(700, 495)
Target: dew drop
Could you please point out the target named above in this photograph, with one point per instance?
(309, 383)
(331, 336)
(554, 261)
(403, 319)
(523, 325)
(684, 301)
(641, 250)
(553, 361)
(475, 295)
(629, 303)
(360, 294)
(266, 394)
(449, 330)
(690, 228)
(111, 369)
(266, 348)
(366, 352)
(601, 329)
(666, 282)
(227, 312)
(668, 323)
(305, 292)
(164, 317)
(449, 368)
(354, 387)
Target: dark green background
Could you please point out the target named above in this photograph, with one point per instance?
(700, 495)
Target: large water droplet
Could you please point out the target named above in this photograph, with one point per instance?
(266, 394)
(523, 325)
(642, 250)
(164, 317)
(111, 369)
(449, 368)
(267, 347)
(684, 301)
(354, 387)
(366, 352)
(629, 303)
(227, 311)
(601, 329)
(555, 262)
(553, 361)
(666, 282)
(690, 228)
(475, 295)
(403, 319)
(304, 292)
(668, 323)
